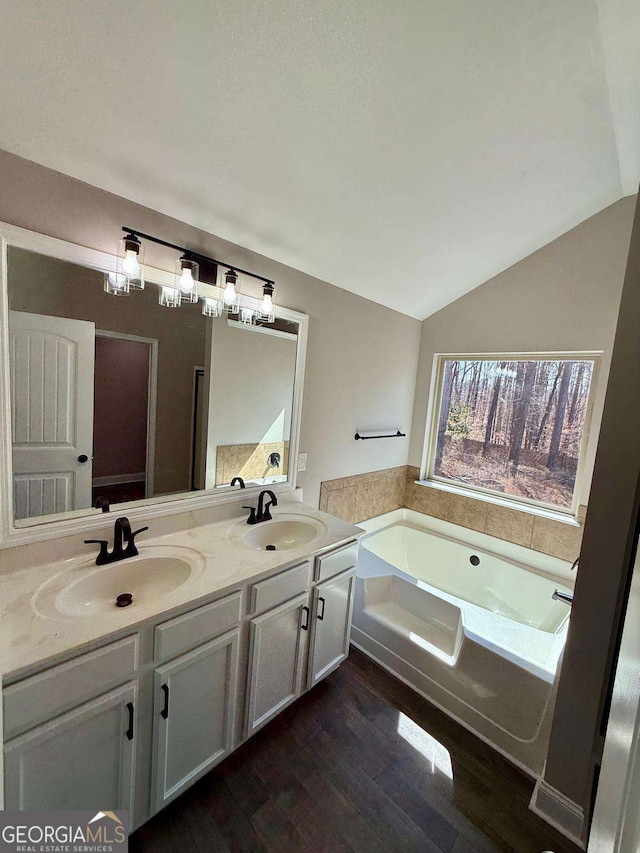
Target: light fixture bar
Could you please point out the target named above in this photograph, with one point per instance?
(195, 255)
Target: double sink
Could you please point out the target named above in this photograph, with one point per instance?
(88, 590)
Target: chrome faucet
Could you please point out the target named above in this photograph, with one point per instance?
(122, 534)
(562, 596)
(263, 513)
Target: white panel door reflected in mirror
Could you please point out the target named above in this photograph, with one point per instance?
(160, 401)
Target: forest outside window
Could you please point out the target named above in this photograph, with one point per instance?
(514, 426)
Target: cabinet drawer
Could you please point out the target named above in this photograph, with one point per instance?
(331, 564)
(189, 630)
(41, 697)
(280, 588)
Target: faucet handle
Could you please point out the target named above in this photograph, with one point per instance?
(252, 515)
(266, 515)
(131, 550)
(103, 555)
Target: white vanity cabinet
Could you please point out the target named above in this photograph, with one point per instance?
(119, 728)
(195, 696)
(332, 608)
(69, 753)
(331, 611)
(277, 644)
(314, 627)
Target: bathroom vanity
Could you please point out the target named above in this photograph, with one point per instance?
(124, 708)
(221, 621)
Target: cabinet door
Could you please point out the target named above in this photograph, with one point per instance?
(277, 646)
(194, 709)
(332, 610)
(83, 759)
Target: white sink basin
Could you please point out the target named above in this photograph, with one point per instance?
(148, 577)
(284, 534)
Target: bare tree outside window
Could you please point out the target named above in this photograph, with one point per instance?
(513, 426)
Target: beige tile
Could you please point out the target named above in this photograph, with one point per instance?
(324, 498)
(330, 485)
(379, 496)
(342, 503)
(367, 503)
(582, 513)
(556, 538)
(431, 501)
(413, 472)
(468, 512)
(359, 479)
(510, 524)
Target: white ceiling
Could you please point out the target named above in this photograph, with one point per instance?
(406, 150)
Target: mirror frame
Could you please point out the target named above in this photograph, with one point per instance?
(83, 520)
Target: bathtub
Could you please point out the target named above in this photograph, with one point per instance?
(467, 620)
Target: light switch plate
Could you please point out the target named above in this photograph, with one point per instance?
(302, 461)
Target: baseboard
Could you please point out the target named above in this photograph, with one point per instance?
(558, 811)
(119, 479)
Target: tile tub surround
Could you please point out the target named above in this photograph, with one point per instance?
(357, 498)
(250, 461)
(364, 496)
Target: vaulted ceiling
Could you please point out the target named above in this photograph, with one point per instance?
(406, 150)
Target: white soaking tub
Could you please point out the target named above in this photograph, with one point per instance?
(469, 621)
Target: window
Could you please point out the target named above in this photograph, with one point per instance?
(512, 425)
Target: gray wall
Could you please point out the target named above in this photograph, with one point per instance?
(361, 358)
(563, 297)
(605, 561)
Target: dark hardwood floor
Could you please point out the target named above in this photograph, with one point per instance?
(360, 763)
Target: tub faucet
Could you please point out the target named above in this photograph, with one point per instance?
(562, 596)
(122, 534)
(237, 480)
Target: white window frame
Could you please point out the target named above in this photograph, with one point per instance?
(548, 510)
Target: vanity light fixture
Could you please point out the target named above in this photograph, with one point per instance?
(187, 277)
(216, 298)
(170, 297)
(230, 295)
(247, 315)
(116, 284)
(211, 307)
(131, 261)
(267, 310)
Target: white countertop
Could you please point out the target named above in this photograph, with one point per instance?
(33, 634)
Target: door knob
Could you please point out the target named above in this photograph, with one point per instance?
(83, 457)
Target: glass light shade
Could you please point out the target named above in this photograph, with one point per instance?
(211, 307)
(247, 315)
(187, 279)
(170, 297)
(267, 305)
(231, 292)
(131, 261)
(116, 284)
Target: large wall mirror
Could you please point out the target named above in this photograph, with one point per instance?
(118, 400)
